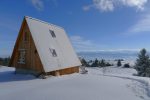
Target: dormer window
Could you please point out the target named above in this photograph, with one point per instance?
(53, 52)
(52, 33)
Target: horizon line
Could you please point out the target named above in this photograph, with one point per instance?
(111, 50)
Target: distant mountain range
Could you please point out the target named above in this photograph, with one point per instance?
(108, 55)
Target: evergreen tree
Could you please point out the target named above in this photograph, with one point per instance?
(4, 61)
(1, 60)
(90, 61)
(95, 63)
(119, 63)
(84, 62)
(102, 63)
(143, 64)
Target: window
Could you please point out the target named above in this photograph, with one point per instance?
(22, 54)
(53, 52)
(52, 33)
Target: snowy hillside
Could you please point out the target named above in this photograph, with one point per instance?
(111, 83)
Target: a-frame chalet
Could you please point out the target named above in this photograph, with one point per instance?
(43, 48)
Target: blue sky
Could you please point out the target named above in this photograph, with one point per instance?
(92, 25)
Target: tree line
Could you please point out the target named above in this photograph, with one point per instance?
(142, 64)
(103, 63)
(4, 61)
(95, 63)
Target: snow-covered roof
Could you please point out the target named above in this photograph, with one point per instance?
(44, 42)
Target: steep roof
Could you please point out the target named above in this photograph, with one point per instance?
(44, 42)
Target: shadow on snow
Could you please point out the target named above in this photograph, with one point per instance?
(9, 76)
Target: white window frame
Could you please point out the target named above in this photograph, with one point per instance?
(52, 33)
(53, 52)
(22, 56)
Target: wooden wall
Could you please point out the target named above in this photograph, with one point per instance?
(64, 71)
(32, 61)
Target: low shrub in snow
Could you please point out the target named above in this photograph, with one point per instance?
(126, 65)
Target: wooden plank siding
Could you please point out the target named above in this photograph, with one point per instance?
(64, 71)
(32, 60)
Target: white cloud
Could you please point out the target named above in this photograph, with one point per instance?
(81, 44)
(139, 4)
(142, 25)
(111, 5)
(104, 5)
(38, 4)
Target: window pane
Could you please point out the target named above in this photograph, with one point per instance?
(52, 33)
(53, 52)
(21, 57)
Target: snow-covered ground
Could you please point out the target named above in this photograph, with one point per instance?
(109, 83)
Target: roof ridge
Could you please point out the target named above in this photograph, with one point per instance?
(43, 21)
